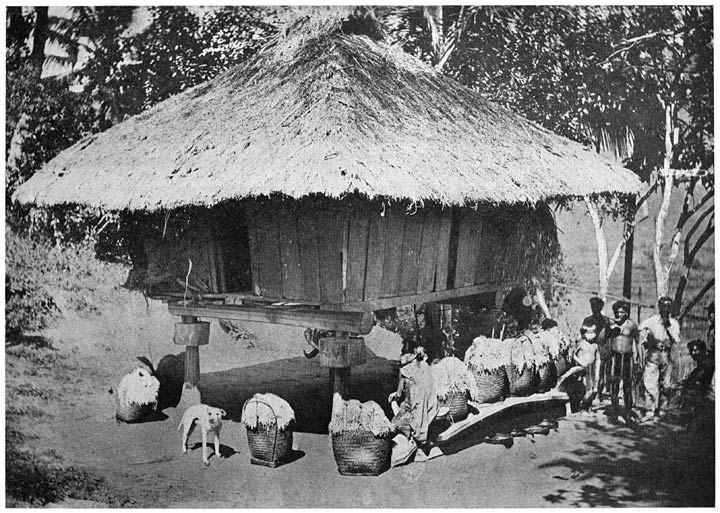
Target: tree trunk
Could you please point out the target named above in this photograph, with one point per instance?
(661, 272)
(629, 248)
(601, 247)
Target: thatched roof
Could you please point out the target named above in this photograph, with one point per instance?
(324, 110)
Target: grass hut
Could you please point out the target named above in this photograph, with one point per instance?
(332, 171)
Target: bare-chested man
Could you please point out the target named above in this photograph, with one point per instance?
(623, 341)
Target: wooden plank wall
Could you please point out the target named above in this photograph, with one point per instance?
(335, 253)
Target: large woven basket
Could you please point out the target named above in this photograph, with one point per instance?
(133, 413)
(269, 446)
(491, 385)
(546, 376)
(457, 403)
(360, 453)
(519, 383)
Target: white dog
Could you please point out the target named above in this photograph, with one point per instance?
(209, 419)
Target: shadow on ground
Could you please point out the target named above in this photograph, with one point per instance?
(301, 382)
(659, 464)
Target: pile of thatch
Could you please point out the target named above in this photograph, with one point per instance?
(266, 411)
(353, 415)
(450, 375)
(325, 108)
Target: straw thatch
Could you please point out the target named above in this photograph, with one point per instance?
(324, 110)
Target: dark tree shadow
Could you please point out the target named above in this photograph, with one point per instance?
(656, 464)
(14, 338)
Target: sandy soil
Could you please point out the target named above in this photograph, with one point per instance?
(586, 461)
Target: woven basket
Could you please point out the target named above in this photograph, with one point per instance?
(547, 376)
(269, 446)
(519, 384)
(491, 385)
(132, 413)
(360, 453)
(457, 403)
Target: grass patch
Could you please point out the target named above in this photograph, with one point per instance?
(37, 482)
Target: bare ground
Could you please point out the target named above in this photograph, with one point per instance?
(70, 416)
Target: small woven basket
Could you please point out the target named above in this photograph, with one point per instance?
(269, 446)
(519, 383)
(457, 403)
(491, 385)
(360, 453)
(132, 413)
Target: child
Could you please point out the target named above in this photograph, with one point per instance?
(587, 356)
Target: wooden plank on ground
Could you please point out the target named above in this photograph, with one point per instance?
(332, 227)
(268, 241)
(443, 250)
(393, 251)
(309, 259)
(410, 259)
(485, 411)
(357, 255)
(375, 254)
(351, 322)
(252, 226)
(289, 253)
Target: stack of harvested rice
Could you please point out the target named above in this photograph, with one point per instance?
(521, 368)
(267, 411)
(486, 359)
(558, 346)
(544, 363)
(488, 354)
(450, 376)
(353, 415)
(137, 395)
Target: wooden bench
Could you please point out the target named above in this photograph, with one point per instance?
(485, 411)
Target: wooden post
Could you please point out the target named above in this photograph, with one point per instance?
(340, 353)
(191, 333)
(340, 380)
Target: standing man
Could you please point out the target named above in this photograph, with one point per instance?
(623, 342)
(658, 334)
(601, 322)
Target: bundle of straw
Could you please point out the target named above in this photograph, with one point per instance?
(353, 415)
(487, 354)
(267, 410)
(541, 351)
(555, 341)
(450, 375)
(522, 354)
(138, 387)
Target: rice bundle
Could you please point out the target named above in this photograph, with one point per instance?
(555, 341)
(522, 354)
(450, 376)
(541, 352)
(139, 387)
(353, 415)
(487, 354)
(486, 359)
(267, 410)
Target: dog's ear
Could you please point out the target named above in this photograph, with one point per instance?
(223, 413)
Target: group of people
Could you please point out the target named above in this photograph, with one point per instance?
(616, 350)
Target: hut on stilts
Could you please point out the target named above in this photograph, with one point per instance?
(331, 176)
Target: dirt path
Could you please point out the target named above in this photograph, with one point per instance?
(585, 462)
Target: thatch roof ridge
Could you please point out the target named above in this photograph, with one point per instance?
(322, 110)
